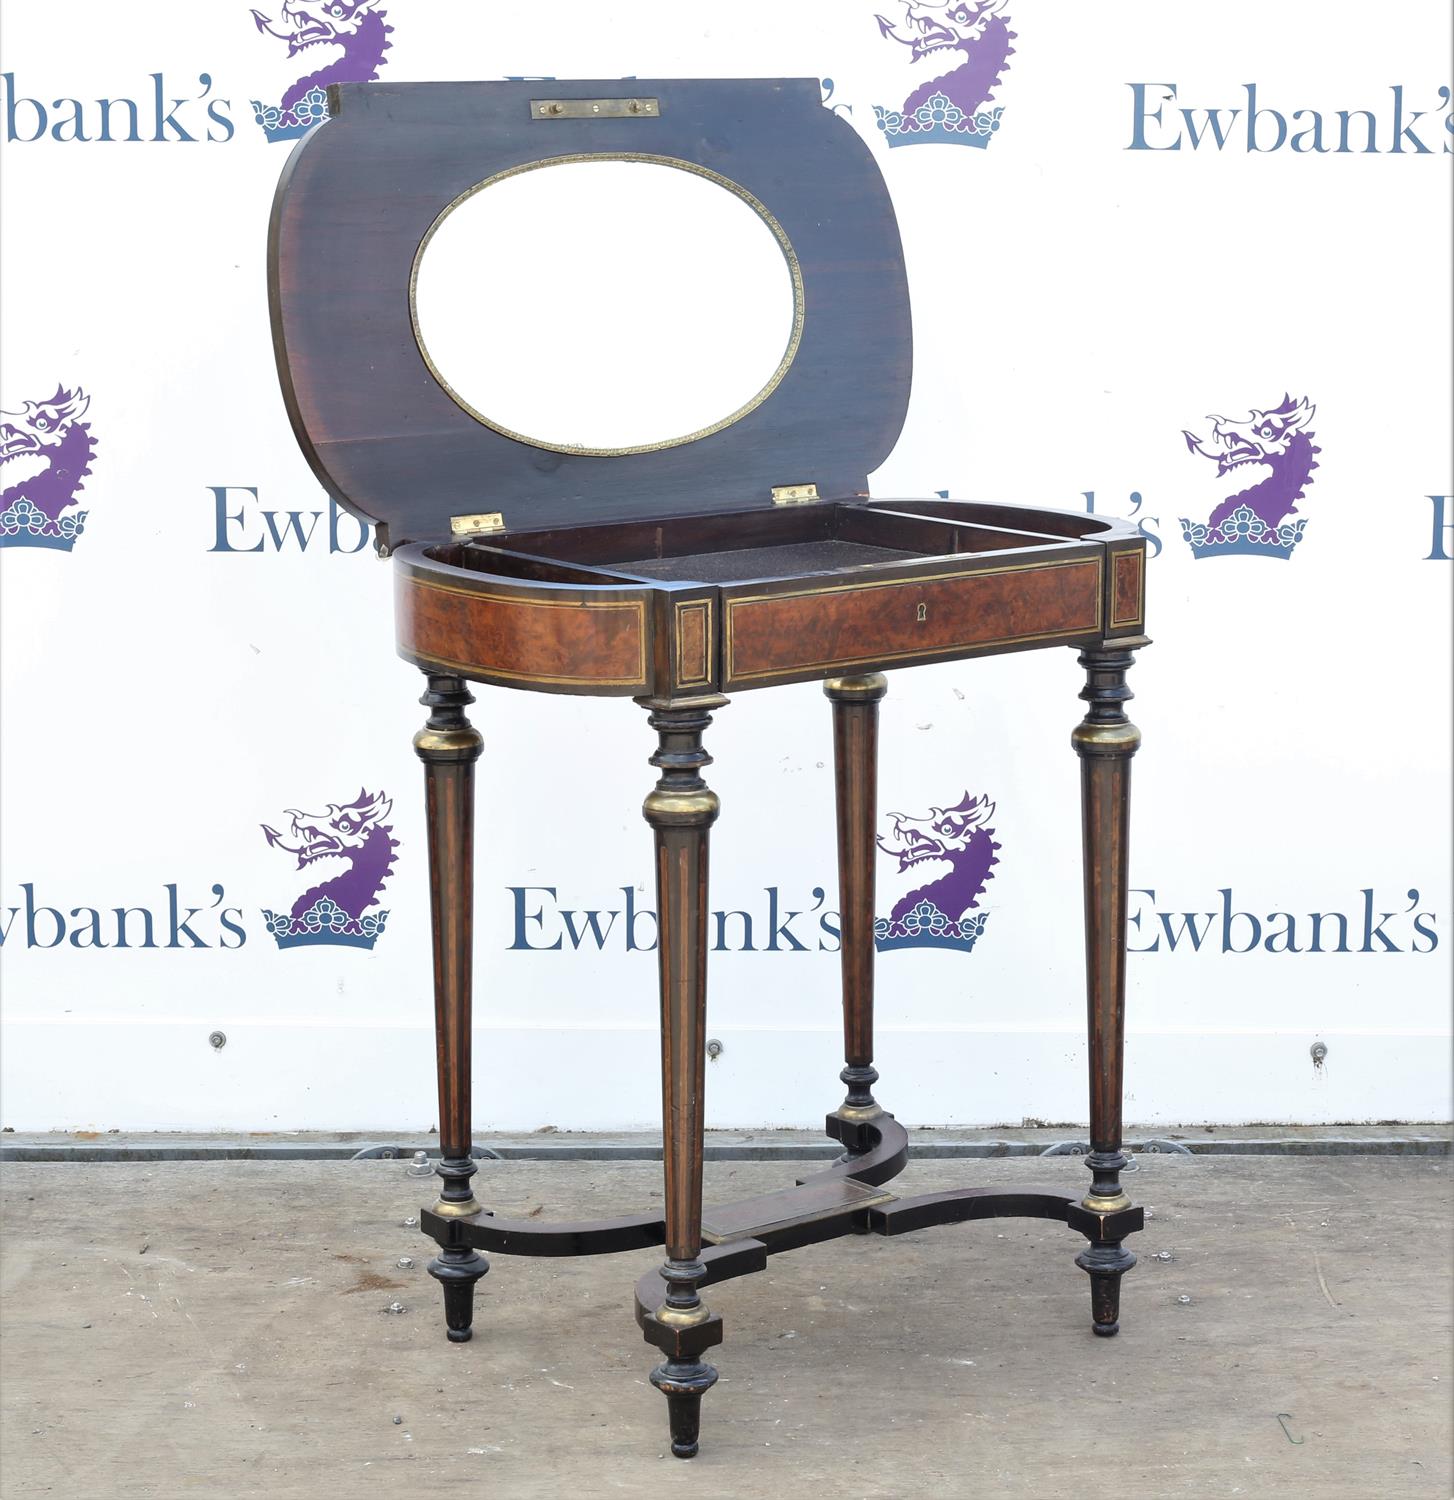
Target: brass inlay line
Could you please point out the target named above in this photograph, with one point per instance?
(466, 669)
(795, 338)
(636, 606)
(731, 675)
(453, 588)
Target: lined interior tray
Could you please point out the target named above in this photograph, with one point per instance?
(747, 546)
(786, 560)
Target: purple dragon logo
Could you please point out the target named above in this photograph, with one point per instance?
(45, 453)
(964, 47)
(354, 34)
(1275, 449)
(948, 859)
(335, 911)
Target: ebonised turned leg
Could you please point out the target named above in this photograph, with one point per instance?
(449, 745)
(681, 808)
(855, 703)
(1106, 740)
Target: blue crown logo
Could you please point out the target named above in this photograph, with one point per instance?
(1243, 531)
(938, 118)
(325, 922)
(928, 927)
(26, 525)
(287, 124)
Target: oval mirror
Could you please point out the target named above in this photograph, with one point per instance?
(607, 305)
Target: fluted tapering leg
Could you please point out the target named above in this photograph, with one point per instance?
(855, 703)
(681, 808)
(449, 745)
(1106, 740)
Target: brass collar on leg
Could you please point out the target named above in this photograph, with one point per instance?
(460, 742)
(682, 1317)
(857, 1113)
(670, 805)
(864, 687)
(453, 1209)
(1105, 1205)
(1106, 739)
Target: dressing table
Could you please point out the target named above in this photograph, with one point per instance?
(678, 568)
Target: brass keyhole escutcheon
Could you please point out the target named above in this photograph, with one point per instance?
(922, 614)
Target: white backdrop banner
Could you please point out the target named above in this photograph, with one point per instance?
(213, 816)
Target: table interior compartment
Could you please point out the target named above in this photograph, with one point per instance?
(738, 546)
(790, 560)
(503, 562)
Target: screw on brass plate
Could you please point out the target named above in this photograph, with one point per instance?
(217, 1040)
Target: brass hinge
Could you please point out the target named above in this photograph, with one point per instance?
(794, 494)
(594, 109)
(477, 525)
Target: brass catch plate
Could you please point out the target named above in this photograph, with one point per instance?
(794, 494)
(594, 109)
(476, 525)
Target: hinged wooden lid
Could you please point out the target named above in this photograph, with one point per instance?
(358, 196)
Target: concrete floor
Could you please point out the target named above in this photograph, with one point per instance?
(188, 1328)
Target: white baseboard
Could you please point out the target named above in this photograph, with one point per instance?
(85, 1075)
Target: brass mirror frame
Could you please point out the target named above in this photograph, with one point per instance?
(795, 338)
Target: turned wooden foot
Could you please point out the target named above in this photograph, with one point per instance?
(684, 1383)
(457, 1268)
(1105, 1261)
